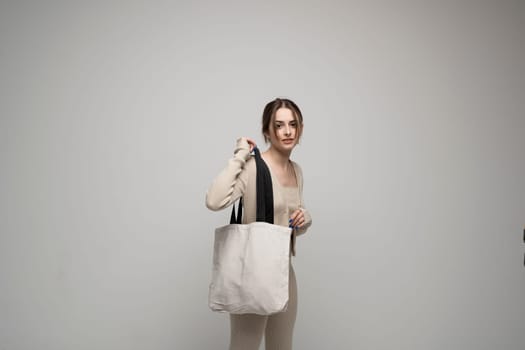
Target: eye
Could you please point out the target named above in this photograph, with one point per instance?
(278, 125)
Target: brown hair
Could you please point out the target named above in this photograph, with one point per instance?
(271, 109)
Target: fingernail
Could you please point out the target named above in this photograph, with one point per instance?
(290, 220)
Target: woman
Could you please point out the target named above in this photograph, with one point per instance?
(282, 127)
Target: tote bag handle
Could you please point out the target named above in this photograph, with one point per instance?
(264, 193)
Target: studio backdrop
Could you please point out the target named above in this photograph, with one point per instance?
(115, 116)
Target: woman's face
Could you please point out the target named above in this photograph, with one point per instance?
(284, 132)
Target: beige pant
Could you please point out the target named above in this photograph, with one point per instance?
(247, 330)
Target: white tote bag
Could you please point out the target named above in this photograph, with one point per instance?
(251, 262)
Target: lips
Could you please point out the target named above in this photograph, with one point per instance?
(288, 140)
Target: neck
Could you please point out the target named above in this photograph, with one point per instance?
(279, 158)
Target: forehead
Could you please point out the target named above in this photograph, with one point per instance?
(284, 114)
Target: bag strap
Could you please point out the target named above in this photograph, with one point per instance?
(238, 219)
(264, 189)
(264, 193)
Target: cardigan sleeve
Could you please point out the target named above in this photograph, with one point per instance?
(306, 213)
(231, 182)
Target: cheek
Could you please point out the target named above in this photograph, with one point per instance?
(277, 133)
(273, 135)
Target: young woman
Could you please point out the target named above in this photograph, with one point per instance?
(282, 127)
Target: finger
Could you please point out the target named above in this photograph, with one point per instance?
(252, 143)
(291, 220)
(299, 225)
(294, 215)
(297, 218)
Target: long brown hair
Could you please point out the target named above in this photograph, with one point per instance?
(271, 109)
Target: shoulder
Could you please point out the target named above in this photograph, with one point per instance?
(296, 166)
(298, 171)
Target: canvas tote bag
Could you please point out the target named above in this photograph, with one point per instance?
(251, 261)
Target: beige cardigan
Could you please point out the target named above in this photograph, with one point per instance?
(238, 179)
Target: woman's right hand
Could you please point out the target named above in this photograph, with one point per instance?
(251, 142)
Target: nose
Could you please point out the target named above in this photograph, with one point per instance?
(287, 130)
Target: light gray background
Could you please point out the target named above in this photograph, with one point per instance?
(116, 116)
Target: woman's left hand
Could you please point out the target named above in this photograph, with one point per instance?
(296, 219)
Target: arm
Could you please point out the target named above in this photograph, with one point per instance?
(230, 184)
(307, 217)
